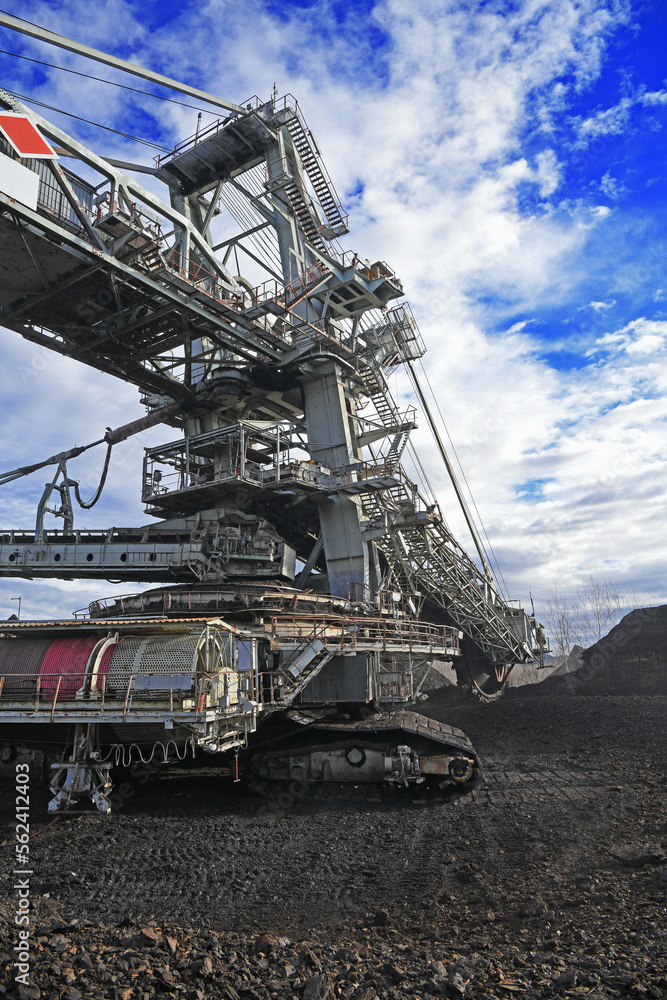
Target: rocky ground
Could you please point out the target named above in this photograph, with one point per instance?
(549, 880)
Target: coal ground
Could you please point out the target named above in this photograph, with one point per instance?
(548, 880)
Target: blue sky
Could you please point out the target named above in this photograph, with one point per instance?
(508, 160)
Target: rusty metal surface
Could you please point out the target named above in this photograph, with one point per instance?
(157, 625)
(408, 722)
(434, 765)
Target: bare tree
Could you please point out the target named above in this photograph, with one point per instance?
(600, 606)
(586, 617)
(559, 621)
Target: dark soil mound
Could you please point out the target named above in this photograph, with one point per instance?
(642, 631)
(545, 883)
(631, 659)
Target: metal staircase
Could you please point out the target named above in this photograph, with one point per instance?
(375, 386)
(397, 446)
(324, 189)
(299, 202)
(426, 560)
(302, 666)
(423, 556)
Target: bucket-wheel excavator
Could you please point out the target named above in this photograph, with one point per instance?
(302, 582)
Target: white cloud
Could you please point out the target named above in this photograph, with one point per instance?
(432, 131)
(599, 306)
(641, 337)
(654, 97)
(548, 172)
(612, 187)
(611, 121)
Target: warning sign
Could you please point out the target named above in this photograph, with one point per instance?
(25, 137)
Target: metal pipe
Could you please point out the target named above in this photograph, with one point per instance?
(55, 697)
(85, 686)
(111, 437)
(211, 208)
(150, 420)
(63, 456)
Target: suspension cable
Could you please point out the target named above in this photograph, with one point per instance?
(88, 121)
(457, 488)
(443, 454)
(470, 493)
(99, 79)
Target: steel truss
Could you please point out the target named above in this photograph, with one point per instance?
(292, 444)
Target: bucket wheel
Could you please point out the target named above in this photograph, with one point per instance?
(486, 679)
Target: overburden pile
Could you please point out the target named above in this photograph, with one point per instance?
(631, 659)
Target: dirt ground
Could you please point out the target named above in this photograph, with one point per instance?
(548, 880)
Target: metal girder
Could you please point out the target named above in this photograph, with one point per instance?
(44, 35)
(121, 182)
(241, 236)
(234, 332)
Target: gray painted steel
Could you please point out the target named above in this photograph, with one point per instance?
(342, 679)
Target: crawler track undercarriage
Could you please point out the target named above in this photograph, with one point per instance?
(399, 748)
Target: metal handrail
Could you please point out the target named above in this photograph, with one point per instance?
(38, 688)
(353, 631)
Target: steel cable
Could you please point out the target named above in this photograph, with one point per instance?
(99, 79)
(463, 475)
(88, 121)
